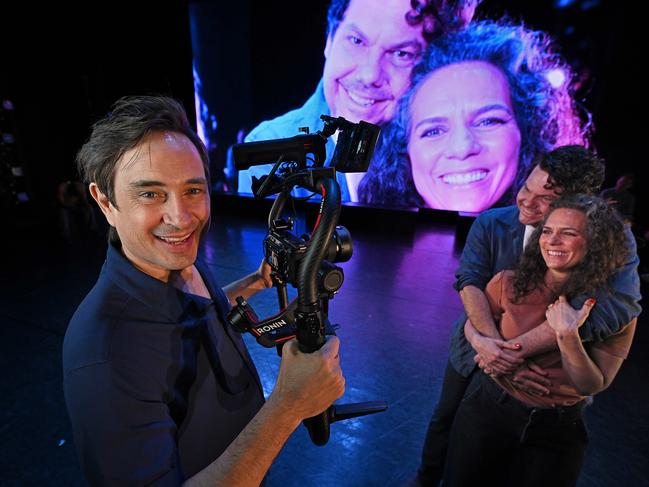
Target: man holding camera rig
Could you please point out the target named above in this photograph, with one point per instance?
(369, 52)
(160, 389)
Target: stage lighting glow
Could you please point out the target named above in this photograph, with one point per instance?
(556, 77)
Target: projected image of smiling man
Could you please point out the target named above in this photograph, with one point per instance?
(368, 60)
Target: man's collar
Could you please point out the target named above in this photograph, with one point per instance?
(317, 102)
(163, 297)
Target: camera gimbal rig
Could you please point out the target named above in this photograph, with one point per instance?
(307, 262)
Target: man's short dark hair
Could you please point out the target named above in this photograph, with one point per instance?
(436, 17)
(130, 121)
(573, 169)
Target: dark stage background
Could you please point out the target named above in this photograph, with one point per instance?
(63, 67)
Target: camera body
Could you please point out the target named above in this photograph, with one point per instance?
(284, 252)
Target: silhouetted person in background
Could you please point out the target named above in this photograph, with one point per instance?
(230, 172)
(621, 198)
(76, 215)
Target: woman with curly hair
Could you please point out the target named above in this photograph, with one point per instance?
(483, 103)
(503, 435)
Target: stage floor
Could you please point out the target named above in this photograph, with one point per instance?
(395, 311)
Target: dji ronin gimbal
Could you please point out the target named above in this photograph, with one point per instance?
(307, 262)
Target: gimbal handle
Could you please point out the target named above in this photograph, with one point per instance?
(310, 326)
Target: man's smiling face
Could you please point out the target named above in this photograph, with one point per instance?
(162, 203)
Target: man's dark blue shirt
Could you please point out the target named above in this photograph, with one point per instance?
(156, 383)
